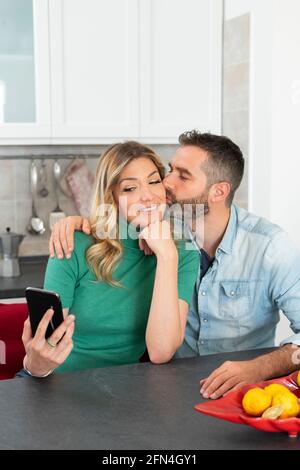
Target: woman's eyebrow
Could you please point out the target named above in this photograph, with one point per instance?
(135, 179)
(153, 173)
(131, 179)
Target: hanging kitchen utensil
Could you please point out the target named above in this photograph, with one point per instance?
(57, 213)
(35, 226)
(43, 192)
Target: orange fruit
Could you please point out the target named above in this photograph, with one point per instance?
(289, 402)
(273, 389)
(256, 401)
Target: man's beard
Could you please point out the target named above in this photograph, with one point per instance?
(189, 213)
(196, 206)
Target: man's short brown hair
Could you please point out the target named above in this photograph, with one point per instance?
(225, 160)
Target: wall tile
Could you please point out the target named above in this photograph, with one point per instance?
(236, 87)
(15, 193)
(23, 214)
(236, 127)
(241, 195)
(7, 215)
(165, 152)
(7, 180)
(236, 40)
(22, 168)
(236, 56)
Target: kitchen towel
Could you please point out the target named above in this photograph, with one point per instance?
(78, 182)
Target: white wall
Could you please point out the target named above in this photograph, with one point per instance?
(285, 168)
(274, 159)
(274, 147)
(260, 99)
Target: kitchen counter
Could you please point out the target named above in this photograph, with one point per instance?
(137, 406)
(32, 274)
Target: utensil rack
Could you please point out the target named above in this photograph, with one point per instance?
(49, 157)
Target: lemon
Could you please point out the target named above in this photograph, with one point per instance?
(273, 389)
(289, 402)
(256, 401)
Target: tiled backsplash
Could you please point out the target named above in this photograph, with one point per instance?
(236, 57)
(15, 196)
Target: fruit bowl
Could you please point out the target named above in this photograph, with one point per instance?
(230, 408)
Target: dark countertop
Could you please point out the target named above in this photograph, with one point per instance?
(139, 406)
(32, 274)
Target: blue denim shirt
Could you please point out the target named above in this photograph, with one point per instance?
(256, 273)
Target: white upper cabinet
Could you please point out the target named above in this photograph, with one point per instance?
(181, 67)
(94, 70)
(98, 71)
(24, 71)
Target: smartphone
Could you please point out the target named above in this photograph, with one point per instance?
(39, 301)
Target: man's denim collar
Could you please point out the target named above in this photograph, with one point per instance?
(228, 239)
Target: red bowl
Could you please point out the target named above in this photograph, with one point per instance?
(230, 408)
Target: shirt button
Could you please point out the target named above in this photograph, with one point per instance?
(201, 342)
(232, 292)
(203, 292)
(205, 320)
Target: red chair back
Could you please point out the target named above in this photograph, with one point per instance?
(12, 352)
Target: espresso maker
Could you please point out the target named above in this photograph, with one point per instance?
(9, 250)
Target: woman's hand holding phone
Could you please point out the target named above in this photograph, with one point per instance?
(44, 355)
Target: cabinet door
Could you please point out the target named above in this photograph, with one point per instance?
(181, 67)
(94, 70)
(24, 72)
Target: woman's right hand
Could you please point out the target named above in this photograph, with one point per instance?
(40, 356)
(62, 237)
(158, 238)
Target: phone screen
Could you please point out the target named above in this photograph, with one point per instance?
(39, 301)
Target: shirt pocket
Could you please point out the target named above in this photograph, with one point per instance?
(235, 299)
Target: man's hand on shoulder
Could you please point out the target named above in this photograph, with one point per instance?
(62, 237)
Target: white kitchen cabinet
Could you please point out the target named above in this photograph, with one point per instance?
(24, 72)
(181, 67)
(108, 70)
(94, 70)
(146, 69)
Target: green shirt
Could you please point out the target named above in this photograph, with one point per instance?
(111, 321)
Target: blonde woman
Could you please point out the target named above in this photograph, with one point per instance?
(117, 301)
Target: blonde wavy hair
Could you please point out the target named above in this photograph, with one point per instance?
(106, 252)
